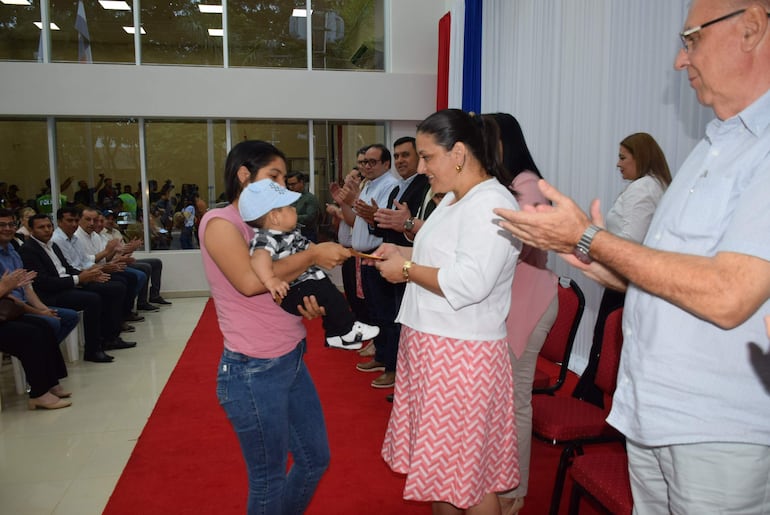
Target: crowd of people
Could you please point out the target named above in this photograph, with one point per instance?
(170, 213)
(49, 274)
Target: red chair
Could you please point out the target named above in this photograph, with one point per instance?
(573, 422)
(603, 477)
(558, 344)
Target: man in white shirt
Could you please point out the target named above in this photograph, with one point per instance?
(379, 294)
(690, 398)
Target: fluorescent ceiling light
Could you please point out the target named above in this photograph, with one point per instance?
(17, 2)
(217, 32)
(210, 9)
(39, 25)
(112, 5)
(300, 13)
(131, 30)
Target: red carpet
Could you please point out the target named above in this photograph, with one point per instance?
(187, 459)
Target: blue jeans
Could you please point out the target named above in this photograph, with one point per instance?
(62, 326)
(274, 408)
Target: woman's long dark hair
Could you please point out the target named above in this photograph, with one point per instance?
(516, 155)
(450, 126)
(253, 154)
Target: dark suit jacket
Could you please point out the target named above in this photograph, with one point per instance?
(35, 258)
(413, 197)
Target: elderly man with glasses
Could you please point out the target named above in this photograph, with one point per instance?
(690, 397)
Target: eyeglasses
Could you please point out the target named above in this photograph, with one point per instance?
(687, 35)
(369, 162)
(8, 225)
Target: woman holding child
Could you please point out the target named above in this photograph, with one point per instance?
(452, 428)
(263, 384)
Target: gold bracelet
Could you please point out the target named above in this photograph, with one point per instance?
(405, 270)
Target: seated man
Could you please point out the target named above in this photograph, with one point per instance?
(61, 320)
(75, 245)
(91, 243)
(59, 284)
(107, 227)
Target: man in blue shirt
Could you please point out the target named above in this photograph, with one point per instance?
(690, 397)
(61, 320)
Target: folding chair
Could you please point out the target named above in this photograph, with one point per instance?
(602, 476)
(573, 422)
(558, 344)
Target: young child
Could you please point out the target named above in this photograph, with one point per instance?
(266, 206)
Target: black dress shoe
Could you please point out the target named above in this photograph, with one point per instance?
(118, 343)
(160, 300)
(147, 307)
(125, 327)
(98, 357)
(133, 317)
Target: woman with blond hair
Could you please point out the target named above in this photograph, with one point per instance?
(641, 161)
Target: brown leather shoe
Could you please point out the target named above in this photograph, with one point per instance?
(367, 351)
(371, 366)
(386, 380)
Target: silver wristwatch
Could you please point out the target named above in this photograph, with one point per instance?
(409, 224)
(584, 244)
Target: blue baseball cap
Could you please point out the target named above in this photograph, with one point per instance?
(261, 197)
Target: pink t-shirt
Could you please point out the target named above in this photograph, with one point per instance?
(255, 326)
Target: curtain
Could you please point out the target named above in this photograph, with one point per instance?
(579, 77)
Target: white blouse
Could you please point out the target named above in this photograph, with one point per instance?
(632, 212)
(476, 261)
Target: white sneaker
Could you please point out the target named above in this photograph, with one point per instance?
(355, 338)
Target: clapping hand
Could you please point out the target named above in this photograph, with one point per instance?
(18, 278)
(365, 210)
(393, 218)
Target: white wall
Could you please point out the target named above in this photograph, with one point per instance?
(60, 89)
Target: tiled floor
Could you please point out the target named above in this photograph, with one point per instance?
(68, 461)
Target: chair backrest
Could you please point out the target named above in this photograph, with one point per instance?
(558, 344)
(609, 359)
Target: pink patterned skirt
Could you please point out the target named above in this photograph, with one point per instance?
(452, 429)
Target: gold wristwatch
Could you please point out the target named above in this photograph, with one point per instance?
(405, 270)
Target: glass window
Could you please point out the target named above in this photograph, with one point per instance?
(19, 36)
(98, 163)
(348, 34)
(336, 143)
(24, 165)
(110, 31)
(265, 34)
(185, 32)
(185, 162)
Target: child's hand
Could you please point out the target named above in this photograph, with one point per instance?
(278, 288)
